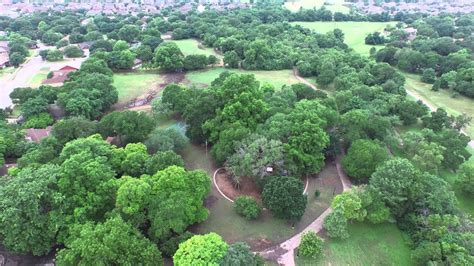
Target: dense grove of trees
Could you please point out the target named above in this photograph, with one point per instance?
(441, 50)
(106, 204)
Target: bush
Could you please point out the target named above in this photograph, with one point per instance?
(317, 193)
(247, 207)
(311, 245)
(41, 120)
(50, 75)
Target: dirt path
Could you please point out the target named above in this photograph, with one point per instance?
(303, 80)
(285, 252)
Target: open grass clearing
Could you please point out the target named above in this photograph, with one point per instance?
(6, 70)
(277, 78)
(192, 46)
(134, 84)
(442, 99)
(354, 32)
(368, 244)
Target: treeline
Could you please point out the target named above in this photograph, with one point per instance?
(442, 51)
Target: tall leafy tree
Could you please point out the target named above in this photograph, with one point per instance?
(284, 197)
(113, 242)
(362, 159)
(28, 222)
(201, 250)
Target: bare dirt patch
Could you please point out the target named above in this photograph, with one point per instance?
(247, 187)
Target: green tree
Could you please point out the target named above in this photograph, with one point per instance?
(162, 160)
(129, 33)
(16, 59)
(73, 128)
(428, 76)
(466, 179)
(336, 224)
(284, 197)
(28, 222)
(54, 55)
(135, 159)
(239, 253)
(311, 245)
(201, 250)
(73, 51)
(352, 205)
(177, 200)
(231, 59)
(128, 126)
(247, 207)
(170, 139)
(41, 120)
(362, 159)
(393, 183)
(169, 57)
(113, 242)
(253, 155)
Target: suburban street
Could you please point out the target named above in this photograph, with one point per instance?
(21, 76)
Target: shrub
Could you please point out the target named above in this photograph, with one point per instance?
(311, 245)
(50, 75)
(317, 193)
(247, 207)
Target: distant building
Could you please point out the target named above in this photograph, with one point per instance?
(59, 76)
(137, 63)
(37, 134)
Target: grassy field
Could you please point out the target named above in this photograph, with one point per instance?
(191, 46)
(355, 32)
(368, 244)
(442, 98)
(7, 70)
(132, 85)
(277, 78)
(35, 80)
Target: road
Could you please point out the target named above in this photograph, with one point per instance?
(21, 76)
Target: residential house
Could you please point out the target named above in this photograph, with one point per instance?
(59, 76)
(37, 134)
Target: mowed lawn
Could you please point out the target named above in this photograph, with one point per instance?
(191, 46)
(354, 32)
(277, 78)
(135, 84)
(442, 98)
(368, 244)
(36, 80)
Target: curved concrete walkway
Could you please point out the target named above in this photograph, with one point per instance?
(284, 253)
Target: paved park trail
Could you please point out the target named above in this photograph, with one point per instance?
(285, 252)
